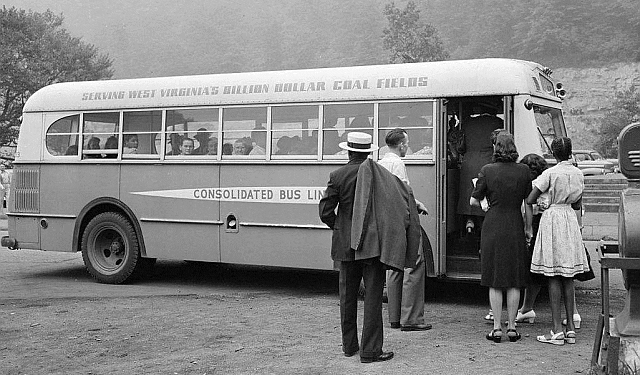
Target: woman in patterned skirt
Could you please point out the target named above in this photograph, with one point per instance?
(559, 252)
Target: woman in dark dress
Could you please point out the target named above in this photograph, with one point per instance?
(504, 256)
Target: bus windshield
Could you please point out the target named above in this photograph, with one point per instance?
(550, 125)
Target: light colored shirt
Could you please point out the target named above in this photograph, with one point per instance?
(563, 182)
(394, 164)
(257, 150)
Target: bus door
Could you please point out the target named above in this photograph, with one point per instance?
(442, 193)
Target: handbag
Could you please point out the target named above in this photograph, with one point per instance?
(587, 275)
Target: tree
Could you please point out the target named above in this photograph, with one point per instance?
(626, 109)
(35, 52)
(409, 39)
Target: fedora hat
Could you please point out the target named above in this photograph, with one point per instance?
(359, 142)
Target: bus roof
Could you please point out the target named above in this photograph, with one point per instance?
(455, 78)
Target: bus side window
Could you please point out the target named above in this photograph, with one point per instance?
(416, 118)
(294, 130)
(342, 118)
(240, 126)
(98, 135)
(139, 130)
(62, 136)
(200, 125)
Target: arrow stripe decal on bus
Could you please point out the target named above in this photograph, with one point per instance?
(288, 194)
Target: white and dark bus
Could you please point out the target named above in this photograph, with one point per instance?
(100, 166)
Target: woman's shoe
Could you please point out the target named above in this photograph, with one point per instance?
(495, 335)
(555, 338)
(570, 337)
(577, 319)
(513, 335)
(529, 316)
(489, 316)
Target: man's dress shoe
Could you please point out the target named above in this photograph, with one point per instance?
(384, 356)
(416, 327)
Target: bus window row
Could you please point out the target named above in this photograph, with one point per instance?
(246, 133)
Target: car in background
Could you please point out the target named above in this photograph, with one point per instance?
(590, 162)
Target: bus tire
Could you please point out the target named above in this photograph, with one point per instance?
(110, 248)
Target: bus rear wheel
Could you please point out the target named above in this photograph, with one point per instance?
(110, 248)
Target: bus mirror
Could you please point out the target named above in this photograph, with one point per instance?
(528, 104)
(629, 151)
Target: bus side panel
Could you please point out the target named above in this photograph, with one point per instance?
(270, 234)
(423, 182)
(69, 188)
(175, 222)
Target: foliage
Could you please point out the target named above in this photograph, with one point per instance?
(557, 33)
(37, 51)
(408, 38)
(626, 110)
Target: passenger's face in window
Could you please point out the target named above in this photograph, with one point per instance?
(187, 147)
(239, 148)
(132, 142)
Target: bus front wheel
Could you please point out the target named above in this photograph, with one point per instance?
(110, 249)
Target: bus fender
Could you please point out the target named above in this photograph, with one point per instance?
(105, 204)
(427, 251)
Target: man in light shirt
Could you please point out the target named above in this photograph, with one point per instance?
(405, 289)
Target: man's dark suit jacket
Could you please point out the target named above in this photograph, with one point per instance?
(387, 224)
(340, 193)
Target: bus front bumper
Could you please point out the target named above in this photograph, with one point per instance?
(10, 243)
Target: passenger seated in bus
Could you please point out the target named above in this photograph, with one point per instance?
(202, 136)
(306, 146)
(175, 141)
(72, 150)
(298, 147)
(284, 145)
(331, 137)
(111, 144)
(258, 141)
(93, 144)
(360, 122)
(477, 131)
(242, 146)
(130, 144)
(227, 149)
(187, 146)
(212, 146)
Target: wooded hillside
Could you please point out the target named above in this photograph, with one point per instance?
(167, 37)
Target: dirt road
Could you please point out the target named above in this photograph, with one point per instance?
(210, 319)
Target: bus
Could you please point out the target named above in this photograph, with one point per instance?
(230, 168)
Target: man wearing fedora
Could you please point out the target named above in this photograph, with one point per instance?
(359, 249)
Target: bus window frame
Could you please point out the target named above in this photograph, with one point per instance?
(255, 157)
(421, 158)
(272, 155)
(136, 156)
(164, 133)
(48, 120)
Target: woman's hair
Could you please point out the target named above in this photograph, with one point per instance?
(561, 148)
(495, 133)
(536, 164)
(505, 148)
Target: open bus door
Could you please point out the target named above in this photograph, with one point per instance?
(442, 196)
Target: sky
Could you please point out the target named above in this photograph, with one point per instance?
(127, 31)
